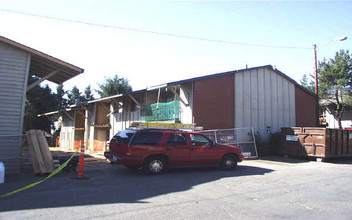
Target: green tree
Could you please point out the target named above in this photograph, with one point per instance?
(29, 115)
(335, 84)
(308, 83)
(75, 96)
(88, 96)
(38, 100)
(62, 102)
(114, 86)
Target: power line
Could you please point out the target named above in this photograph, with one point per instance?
(149, 31)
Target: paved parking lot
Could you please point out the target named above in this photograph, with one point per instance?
(271, 188)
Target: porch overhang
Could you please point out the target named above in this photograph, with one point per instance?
(45, 66)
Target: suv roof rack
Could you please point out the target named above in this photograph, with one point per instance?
(165, 126)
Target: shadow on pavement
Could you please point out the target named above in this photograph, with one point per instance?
(339, 160)
(288, 159)
(111, 184)
(296, 160)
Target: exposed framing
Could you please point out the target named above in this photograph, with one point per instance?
(178, 97)
(31, 86)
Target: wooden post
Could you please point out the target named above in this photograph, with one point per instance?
(86, 128)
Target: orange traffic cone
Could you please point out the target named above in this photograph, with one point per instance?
(81, 164)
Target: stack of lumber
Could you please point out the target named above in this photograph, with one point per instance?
(42, 159)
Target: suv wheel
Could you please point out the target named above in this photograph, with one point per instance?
(155, 165)
(228, 162)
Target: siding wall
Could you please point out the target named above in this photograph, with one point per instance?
(213, 102)
(346, 121)
(91, 120)
(306, 108)
(123, 120)
(14, 67)
(263, 100)
(67, 131)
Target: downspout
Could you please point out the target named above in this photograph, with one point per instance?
(157, 102)
(193, 102)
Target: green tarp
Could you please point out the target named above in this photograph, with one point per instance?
(169, 111)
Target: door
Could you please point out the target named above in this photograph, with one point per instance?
(177, 148)
(203, 151)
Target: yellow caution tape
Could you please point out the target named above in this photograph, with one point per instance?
(36, 183)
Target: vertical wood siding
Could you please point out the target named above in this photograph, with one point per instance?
(14, 67)
(213, 99)
(263, 98)
(67, 132)
(91, 119)
(306, 108)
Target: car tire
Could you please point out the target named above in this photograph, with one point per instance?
(155, 165)
(130, 167)
(228, 162)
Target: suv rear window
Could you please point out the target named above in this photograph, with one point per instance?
(177, 139)
(123, 137)
(147, 138)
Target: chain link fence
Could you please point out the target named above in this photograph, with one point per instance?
(240, 137)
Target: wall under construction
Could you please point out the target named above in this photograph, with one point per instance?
(261, 97)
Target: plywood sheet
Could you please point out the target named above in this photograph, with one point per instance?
(40, 153)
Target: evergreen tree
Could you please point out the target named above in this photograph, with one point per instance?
(88, 96)
(114, 86)
(335, 84)
(60, 99)
(38, 100)
(308, 83)
(75, 97)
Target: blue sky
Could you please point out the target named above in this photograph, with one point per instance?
(149, 59)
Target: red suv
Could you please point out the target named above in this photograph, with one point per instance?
(156, 150)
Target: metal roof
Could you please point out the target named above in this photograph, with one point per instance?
(43, 64)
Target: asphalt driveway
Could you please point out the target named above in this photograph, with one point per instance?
(271, 188)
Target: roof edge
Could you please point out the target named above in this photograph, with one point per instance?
(242, 70)
(41, 54)
(216, 74)
(294, 82)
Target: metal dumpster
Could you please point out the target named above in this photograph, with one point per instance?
(316, 142)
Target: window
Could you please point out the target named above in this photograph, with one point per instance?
(147, 138)
(123, 137)
(176, 139)
(199, 140)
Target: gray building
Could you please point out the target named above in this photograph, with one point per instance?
(17, 63)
